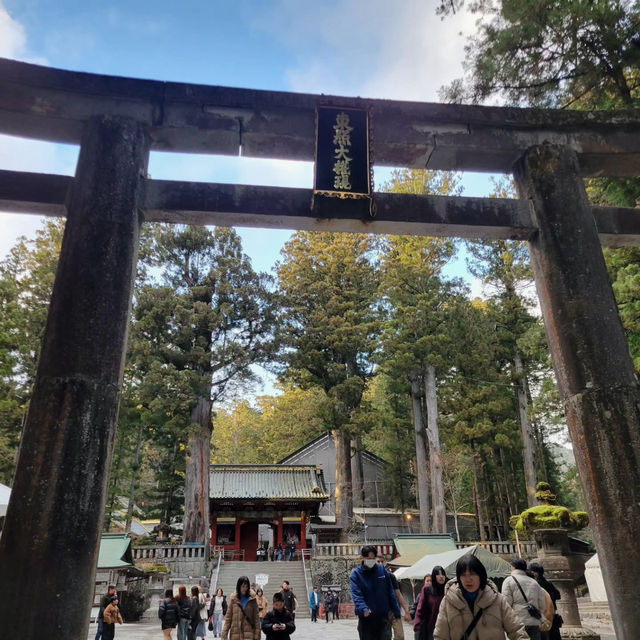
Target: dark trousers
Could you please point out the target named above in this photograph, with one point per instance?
(533, 632)
(314, 615)
(108, 631)
(100, 628)
(372, 628)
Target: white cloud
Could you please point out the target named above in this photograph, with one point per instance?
(13, 39)
(372, 48)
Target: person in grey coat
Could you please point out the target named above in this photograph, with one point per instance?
(520, 591)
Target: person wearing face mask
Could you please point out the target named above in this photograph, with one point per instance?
(473, 607)
(373, 597)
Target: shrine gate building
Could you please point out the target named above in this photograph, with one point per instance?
(254, 506)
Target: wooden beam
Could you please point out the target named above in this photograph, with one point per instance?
(201, 203)
(37, 193)
(53, 104)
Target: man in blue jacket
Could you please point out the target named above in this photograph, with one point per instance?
(373, 597)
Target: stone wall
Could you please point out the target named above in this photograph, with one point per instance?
(334, 570)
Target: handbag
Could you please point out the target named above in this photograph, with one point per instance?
(210, 625)
(533, 611)
(202, 609)
(547, 620)
(472, 625)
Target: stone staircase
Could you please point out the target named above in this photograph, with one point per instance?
(231, 570)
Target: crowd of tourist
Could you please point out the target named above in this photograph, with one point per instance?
(525, 608)
(467, 606)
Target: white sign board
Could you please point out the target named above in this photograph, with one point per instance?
(262, 579)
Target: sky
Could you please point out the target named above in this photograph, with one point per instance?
(371, 48)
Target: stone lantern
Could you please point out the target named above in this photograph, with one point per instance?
(550, 524)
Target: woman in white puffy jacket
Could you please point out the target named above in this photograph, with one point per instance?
(473, 605)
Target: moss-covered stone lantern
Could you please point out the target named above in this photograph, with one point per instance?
(550, 524)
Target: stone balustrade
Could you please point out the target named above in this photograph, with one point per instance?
(161, 553)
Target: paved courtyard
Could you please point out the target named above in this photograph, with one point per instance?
(305, 630)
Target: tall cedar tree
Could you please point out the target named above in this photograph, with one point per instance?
(480, 419)
(504, 266)
(419, 302)
(26, 282)
(197, 332)
(579, 54)
(328, 327)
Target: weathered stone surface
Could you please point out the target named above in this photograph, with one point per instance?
(593, 366)
(50, 539)
(334, 570)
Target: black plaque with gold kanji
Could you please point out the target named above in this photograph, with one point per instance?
(342, 166)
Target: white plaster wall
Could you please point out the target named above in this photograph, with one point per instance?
(593, 576)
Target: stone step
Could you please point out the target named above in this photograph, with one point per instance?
(277, 571)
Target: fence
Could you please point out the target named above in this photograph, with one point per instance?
(509, 549)
(169, 552)
(349, 549)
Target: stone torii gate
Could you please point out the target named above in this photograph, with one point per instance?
(48, 549)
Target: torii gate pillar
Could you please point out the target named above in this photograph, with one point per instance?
(50, 540)
(593, 366)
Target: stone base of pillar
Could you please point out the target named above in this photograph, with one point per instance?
(574, 633)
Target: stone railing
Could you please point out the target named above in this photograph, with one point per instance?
(506, 549)
(160, 553)
(349, 549)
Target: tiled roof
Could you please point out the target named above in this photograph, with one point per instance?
(115, 551)
(266, 481)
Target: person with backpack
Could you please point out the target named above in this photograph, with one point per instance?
(169, 613)
(472, 602)
(373, 596)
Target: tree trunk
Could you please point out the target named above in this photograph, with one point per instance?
(422, 472)
(343, 491)
(435, 454)
(528, 439)
(537, 432)
(476, 496)
(196, 488)
(511, 505)
(134, 482)
(357, 472)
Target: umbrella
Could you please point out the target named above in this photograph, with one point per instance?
(496, 567)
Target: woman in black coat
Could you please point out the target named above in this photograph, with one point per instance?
(537, 570)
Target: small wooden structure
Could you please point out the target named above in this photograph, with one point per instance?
(52, 526)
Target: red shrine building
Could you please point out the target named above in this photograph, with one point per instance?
(254, 507)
